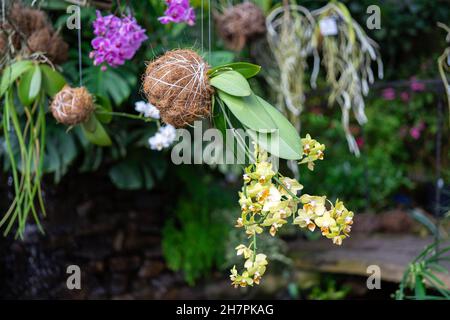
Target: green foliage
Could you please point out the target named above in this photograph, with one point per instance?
(421, 273)
(24, 91)
(194, 239)
(328, 290)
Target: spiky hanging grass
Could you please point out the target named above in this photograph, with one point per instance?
(177, 84)
(347, 58)
(289, 32)
(444, 64)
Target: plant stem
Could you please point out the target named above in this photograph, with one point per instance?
(127, 115)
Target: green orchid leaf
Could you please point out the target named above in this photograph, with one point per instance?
(248, 70)
(232, 83)
(23, 89)
(249, 111)
(12, 72)
(217, 58)
(30, 85)
(36, 82)
(103, 107)
(95, 133)
(287, 137)
(53, 81)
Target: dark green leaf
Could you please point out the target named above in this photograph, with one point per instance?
(103, 105)
(126, 176)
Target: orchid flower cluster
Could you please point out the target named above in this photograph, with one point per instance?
(165, 135)
(117, 40)
(178, 11)
(268, 200)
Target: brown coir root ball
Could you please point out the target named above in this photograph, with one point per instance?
(240, 23)
(72, 106)
(29, 31)
(178, 85)
(27, 20)
(49, 42)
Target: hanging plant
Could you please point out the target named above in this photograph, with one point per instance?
(239, 24)
(444, 65)
(184, 89)
(25, 86)
(290, 29)
(347, 53)
(29, 80)
(27, 32)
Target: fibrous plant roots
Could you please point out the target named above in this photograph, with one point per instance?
(240, 23)
(72, 106)
(289, 32)
(177, 84)
(347, 58)
(28, 31)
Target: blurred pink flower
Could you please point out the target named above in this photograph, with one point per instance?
(116, 40)
(416, 131)
(405, 96)
(388, 94)
(360, 142)
(416, 86)
(178, 11)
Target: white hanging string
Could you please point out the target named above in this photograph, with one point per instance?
(80, 68)
(3, 11)
(201, 26)
(209, 29)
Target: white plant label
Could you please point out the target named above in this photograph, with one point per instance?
(328, 27)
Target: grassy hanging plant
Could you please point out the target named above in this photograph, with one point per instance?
(182, 86)
(29, 81)
(290, 29)
(25, 85)
(347, 53)
(444, 65)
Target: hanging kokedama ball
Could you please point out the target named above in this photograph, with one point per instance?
(72, 106)
(178, 85)
(240, 23)
(28, 30)
(45, 40)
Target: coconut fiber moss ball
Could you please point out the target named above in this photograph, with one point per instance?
(177, 84)
(240, 23)
(72, 106)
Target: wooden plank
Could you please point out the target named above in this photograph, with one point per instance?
(392, 253)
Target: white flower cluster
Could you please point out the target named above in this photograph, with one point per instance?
(147, 109)
(163, 138)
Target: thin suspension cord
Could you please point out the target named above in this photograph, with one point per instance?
(3, 11)
(80, 67)
(209, 30)
(201, 25)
